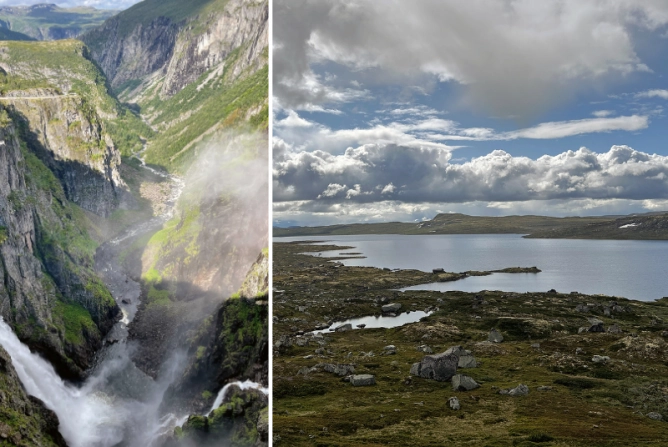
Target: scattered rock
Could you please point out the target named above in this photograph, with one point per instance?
(440, 367)
(519, 390)
(344, 328)
(361, 326)
(656, 416)
(495, 336)
(578, 351)
(301, 342)
(454, 403)
(460, 382)
(544, 388)
(582, 308)
(615, 329)
(600, 359)
(390, 350)
(552, 292)
(363, 380)
(339, 370)
(535, 345)
(426, 349)
(124, 301)
(391, 308)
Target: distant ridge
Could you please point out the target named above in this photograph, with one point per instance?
(47, 21)
(650, 226)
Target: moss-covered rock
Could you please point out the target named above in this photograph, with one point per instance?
(24, 420)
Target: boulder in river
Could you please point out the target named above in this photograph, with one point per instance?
(362, 380)
(460, 382)
(391, 308)
(439, 367)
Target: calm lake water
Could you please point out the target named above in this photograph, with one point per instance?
(631, 269)
(382, 321)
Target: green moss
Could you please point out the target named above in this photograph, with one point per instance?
(201, 351)
(100, 291)
(75, 319)
(206, 395)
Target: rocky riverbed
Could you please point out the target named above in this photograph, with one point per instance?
(489, 368)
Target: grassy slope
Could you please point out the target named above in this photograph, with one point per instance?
(647, 227)
(600, 405)
(29, 21)
(64, 65)
(219, 105)
(450, 224)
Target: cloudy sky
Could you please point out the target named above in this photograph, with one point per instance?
(400, 110)
(100, 4)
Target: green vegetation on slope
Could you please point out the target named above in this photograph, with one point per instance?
(65, 68)
(216, 106)
(46, 22)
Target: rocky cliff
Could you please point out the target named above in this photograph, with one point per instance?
(175, 43)
(49, 292)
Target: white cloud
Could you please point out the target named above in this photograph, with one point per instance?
(663, 94)
(388, 189)
(563, 129)
(293, 120)
(603, 113)
(333, 189)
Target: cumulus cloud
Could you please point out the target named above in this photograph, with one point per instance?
(100, 4)
(513, 57)
(603, 113)
(426, 174)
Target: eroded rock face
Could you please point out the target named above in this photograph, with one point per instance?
(35, 223)
(439, 367)
(70, 140)
(181, 51)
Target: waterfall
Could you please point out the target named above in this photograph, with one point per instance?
(243, 385)
(86, 418)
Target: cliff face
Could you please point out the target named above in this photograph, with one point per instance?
(70, 140)
(175, 49)
(48, 290)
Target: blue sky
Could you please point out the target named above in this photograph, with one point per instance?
(100, 4)
(398, 111)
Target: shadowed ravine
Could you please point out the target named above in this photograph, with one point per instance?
(118, 404)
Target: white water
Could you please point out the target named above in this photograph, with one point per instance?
(243, 385)
(87, 418)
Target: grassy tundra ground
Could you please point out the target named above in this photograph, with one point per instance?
(585, 403)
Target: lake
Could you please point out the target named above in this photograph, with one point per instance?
(630, 269)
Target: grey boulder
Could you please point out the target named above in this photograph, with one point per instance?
(439, 367)
(460, 382)
(363, 380)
